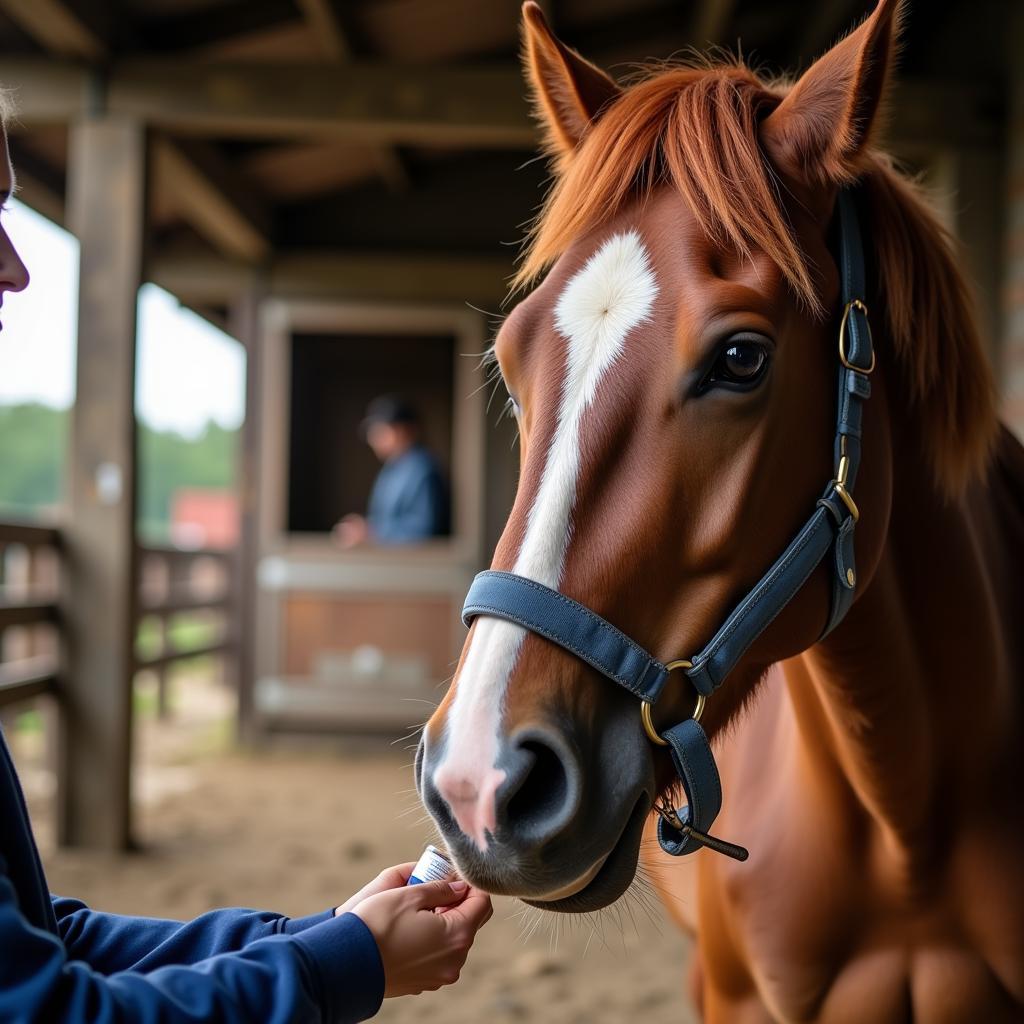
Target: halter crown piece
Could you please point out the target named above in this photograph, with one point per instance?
(580, 631)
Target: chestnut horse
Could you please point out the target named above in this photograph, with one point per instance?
(673, 376)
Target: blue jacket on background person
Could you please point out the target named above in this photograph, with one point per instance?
(409, 500)
(62, 962)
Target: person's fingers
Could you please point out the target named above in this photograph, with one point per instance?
(393, 877)
(474, 911)
(437, 894)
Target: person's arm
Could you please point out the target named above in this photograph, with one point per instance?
(113, 942)
(332, 971)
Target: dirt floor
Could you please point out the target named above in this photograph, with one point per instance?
(299, 826)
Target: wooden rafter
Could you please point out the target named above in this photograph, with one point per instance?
(208, 195)
(56, 27)
(359, 275)
(327, 28)
(711, 18)
(479, 107)
(826, 21)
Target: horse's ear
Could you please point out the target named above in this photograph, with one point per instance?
(569, 91)
(823, 127)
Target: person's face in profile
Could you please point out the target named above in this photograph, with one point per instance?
(13, 275)
(387, 439)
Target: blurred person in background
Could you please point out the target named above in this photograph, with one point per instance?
(410, 501)
(62, 962)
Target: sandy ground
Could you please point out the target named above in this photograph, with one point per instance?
(300, 826)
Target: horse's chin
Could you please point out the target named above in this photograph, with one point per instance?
(609, 878)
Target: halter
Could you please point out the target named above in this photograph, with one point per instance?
(577, 629)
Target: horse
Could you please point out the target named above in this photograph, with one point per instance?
(672, 374)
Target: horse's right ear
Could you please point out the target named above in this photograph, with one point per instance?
(569, 92)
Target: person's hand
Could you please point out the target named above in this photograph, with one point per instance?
(422, 950)
(350, 531)
(389, 878)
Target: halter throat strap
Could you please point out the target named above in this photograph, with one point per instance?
(830, 527)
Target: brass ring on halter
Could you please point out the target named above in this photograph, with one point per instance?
(645, 707)
(858, 305)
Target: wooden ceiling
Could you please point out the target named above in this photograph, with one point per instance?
(285, 127)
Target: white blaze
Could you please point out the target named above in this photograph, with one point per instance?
(601, 304)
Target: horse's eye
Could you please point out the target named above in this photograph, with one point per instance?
(740, 365)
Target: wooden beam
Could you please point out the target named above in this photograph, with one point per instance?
(394, 277)
(57, 28)
(480, 107)
(26, 678)
(106, 211)
(323, 20)
(711, 19)
(327, 28)
(375, 102)
(826, 22)
(207, 193)
(244, 324)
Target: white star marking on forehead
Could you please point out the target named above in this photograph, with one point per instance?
(609, 296)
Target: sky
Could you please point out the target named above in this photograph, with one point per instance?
(188, 371)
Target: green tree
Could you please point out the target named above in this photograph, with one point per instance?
(33, 448)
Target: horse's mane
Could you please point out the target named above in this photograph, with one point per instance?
(695, 128)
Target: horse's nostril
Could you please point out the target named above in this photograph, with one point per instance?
(540, 792)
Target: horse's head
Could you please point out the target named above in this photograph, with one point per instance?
(674, 383)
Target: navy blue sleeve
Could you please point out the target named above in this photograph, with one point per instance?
(112, 942)
(328, 971)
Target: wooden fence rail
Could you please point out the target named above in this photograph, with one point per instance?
(172, 583)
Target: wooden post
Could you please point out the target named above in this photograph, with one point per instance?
(106, 206)
(244, 325)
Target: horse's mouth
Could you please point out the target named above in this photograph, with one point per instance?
(611, 876)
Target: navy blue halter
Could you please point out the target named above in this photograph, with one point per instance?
(576, 628)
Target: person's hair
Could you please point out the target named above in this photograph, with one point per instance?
(6, 107)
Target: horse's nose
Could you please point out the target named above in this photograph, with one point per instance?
(528, 798)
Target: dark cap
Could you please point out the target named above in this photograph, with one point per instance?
(389, 409)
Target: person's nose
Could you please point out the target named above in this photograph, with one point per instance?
(14, 276)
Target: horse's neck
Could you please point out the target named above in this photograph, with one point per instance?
(907, 700)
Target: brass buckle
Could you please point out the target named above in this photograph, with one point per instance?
(645, 707)
(840, 482)
(855, 304)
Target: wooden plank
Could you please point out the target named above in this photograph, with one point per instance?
(13, 532)
(403, 277)
(245, 326)
(826, 22)
(328, 30)
(183, 600)
(106, 207)
(25, 613)
(168, 657)
(56, 27)
(27, 678)
(480, 106)
(323, 20)
(208, 194)
(711, 19)
(45, 92)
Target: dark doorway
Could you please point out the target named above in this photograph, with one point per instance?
(333, 379)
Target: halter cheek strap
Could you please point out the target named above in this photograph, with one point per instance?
(601, 645)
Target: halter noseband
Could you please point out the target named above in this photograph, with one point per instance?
(576, 628)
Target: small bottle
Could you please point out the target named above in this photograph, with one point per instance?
(433, 866)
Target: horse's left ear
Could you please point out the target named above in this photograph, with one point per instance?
(822, 128)
(569, 91)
